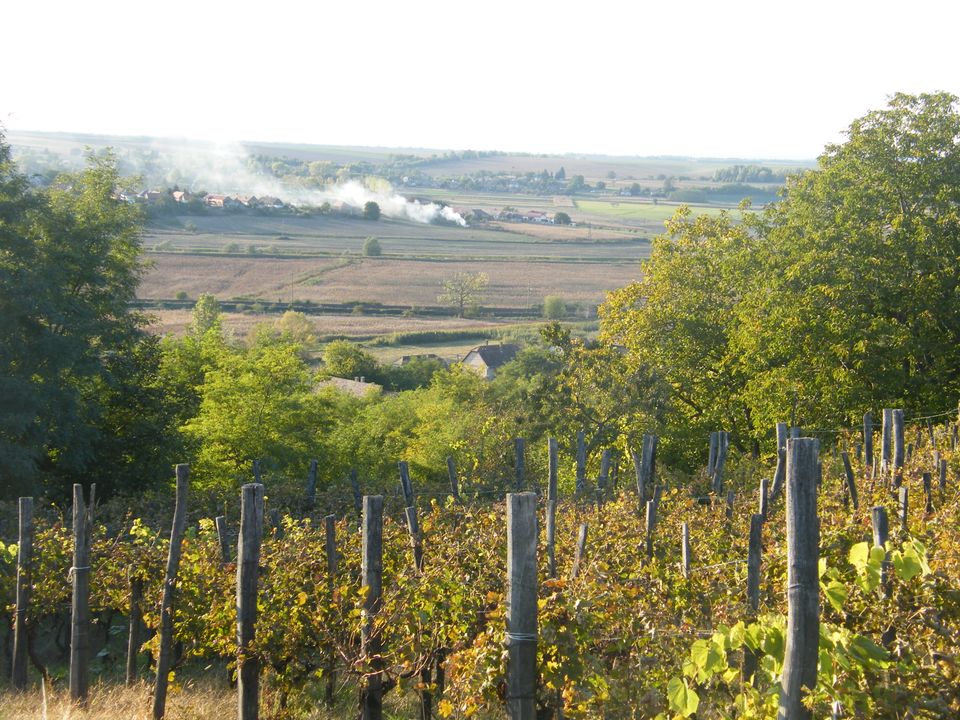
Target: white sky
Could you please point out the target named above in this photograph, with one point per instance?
(768, 79)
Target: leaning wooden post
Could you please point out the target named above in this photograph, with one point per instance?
(522, 606)
(405, 485)
(165, 654)
(416, 544)
(581, 463)
(248, 573)
(779, 475)
(452, 475)
(24, 557)
(552, 462)
(685, 550)
(330, 531)
(803, 591)
(519, 463)
(80, 603)
(135, 627)
(868, 439)
(851, 483)
(371, 691)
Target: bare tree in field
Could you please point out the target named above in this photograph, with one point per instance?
(462, 290)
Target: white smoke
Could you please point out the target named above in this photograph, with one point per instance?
(391, 204)
(223, 168)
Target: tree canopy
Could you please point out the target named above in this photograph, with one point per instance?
(842, 297)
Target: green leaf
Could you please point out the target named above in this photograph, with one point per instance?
(859, 555)
(836, 593)
(682, 698)
(906, 564)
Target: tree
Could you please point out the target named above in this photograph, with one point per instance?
(69, 267)
(576, 184)
(206, 315)
(371, 210)
(342, 358)
(561, 174)
(554, 307)
(635, 189)
(371, 247)
(561, 218)
(462, 290)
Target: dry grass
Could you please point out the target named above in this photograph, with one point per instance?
(565, 233)
(194, 701)
(514, 283)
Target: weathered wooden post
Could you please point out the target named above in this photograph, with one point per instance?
(731, 499)
(579, 552)
(712, 453)
(248, 573)
(522, 606)
(405, 485)
(943, 476)
(371, 691)
(222, 540)
(416, 544)
(552, 469)
(928, 491)
(80, 602)
(803, 591)
(723, 445)
(763, 498)
(604, 473)
(868, 439)
(750, 658)
(330, 537)
(898, 447)
(256, 472)
(779, 475)
(519, 463)
(312, 484)
(24, 561)
(646, 473)
(782, 434)
(452, 475)
(851, 483)
(165, 654)
(685, 551)
(581, 463)
(886, 441)
(881, 532)
(135, 625)
(904, 507)
(651, 526)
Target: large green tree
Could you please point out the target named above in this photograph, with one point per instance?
(68, 271)
(842, 297)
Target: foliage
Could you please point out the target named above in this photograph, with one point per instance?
(371, 247)
(371, 210)
(561, 218)
(344, 359)
(553, 307)
(462, 290)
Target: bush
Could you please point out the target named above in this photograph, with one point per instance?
(554, 308)
(371, 247)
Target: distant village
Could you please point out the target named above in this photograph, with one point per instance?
(174, 200)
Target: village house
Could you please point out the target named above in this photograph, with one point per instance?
(485, 360)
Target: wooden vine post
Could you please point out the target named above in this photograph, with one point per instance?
(312, 484)
(135, 626)
(522, 606)
(886, 441)
(165, 654)
(803, 591)
(220, 522)
(24, 559)
(579, 551)
(452, 475)
(685, 550)
(330, 536)
(80, 601)
(581, 463)
(552, 462)
(371, 690)
(851, 486)
(881, 533)
(764, 497)
(868, 439)
(248, 574)
(898, 449)
(750, 657)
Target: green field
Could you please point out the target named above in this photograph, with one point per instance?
(633, 210)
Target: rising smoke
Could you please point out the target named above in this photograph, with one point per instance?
(223, 168)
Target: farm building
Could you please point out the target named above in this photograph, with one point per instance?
(485, 360)
(358, 387)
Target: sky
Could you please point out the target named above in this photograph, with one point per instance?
(772, 79)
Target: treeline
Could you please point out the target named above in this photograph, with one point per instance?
(749, 174)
